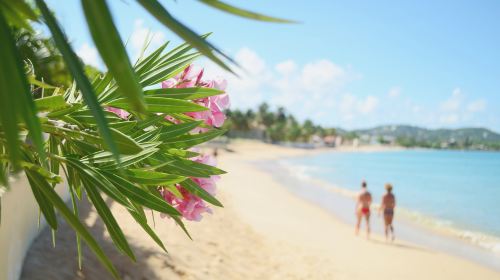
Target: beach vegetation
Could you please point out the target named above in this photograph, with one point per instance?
(127, 134)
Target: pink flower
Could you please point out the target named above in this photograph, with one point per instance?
(119, 112)
(191, 206)
(192, 77)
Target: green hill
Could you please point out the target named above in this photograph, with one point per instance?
(462, 138)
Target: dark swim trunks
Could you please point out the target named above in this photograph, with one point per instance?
(388, 212)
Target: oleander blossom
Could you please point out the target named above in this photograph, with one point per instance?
(192, 77)
(191, 206)
(119, 112)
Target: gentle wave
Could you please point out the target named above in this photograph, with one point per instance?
(481, 239)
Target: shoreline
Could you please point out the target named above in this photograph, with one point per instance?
(428, 233)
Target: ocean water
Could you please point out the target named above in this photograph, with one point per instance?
(457, 192)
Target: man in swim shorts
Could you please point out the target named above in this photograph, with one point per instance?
(364, 200)
(387, 207)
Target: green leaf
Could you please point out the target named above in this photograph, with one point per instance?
(147, 229)
(14, 17)
(178, 168)
(147, 62)
(63, 112)
(36, 183)
(187, 141)
(152, 178)
(181, 153)
(113, 53)
(175, 130)
(193, 188)
(109, 220)
(151, 120)
(184, 93)
(131, 159)
(161, 105)
(242, 13)
(47, 175)
(123, 126)
(82, 81)
(163, 16)
(75, 211)
(192, 167)
(125, 143)
(51, 103)
(97, 179)
(149, 136)
(53, 197)
(32, 80)
(86, 117)
(140, 196)
(22, 8)
(166, 70)
(15, 97)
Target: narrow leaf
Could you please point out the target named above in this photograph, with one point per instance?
(163, 16)
(109, 220)
(113, 53)
(186, 141)
(161, 105)
(51, 103)
(241, 12)
(53, 197)
(36, 182)
(175, 130)
(78, 73)
(193, 188)
(140, 196)
(184, 93)
(15, 96)
(152, 178)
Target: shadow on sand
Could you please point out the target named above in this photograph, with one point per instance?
(45, 262)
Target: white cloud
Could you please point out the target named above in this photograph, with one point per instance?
(286, 67)
(306, 90)
(139, 36)
(367, 105)
(351, 104)
(321, 74)
(394, 92)
(477, 106)
(251, 62)
(89, 55)
(454, 102)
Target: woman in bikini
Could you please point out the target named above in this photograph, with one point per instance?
(387, 207)
(364, 200)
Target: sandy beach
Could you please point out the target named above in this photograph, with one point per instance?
(263, 232)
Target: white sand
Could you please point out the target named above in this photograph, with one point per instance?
(264, 232)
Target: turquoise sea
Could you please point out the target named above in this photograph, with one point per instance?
(453, 192)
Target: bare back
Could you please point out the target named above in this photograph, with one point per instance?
(364, 199)
(388, 201)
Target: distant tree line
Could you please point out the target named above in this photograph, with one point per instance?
(276, 125)
(462, 144)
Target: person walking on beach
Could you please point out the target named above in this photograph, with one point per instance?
(387, 207)
(364, 200)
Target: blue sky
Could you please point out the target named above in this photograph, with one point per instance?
(351, 64)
